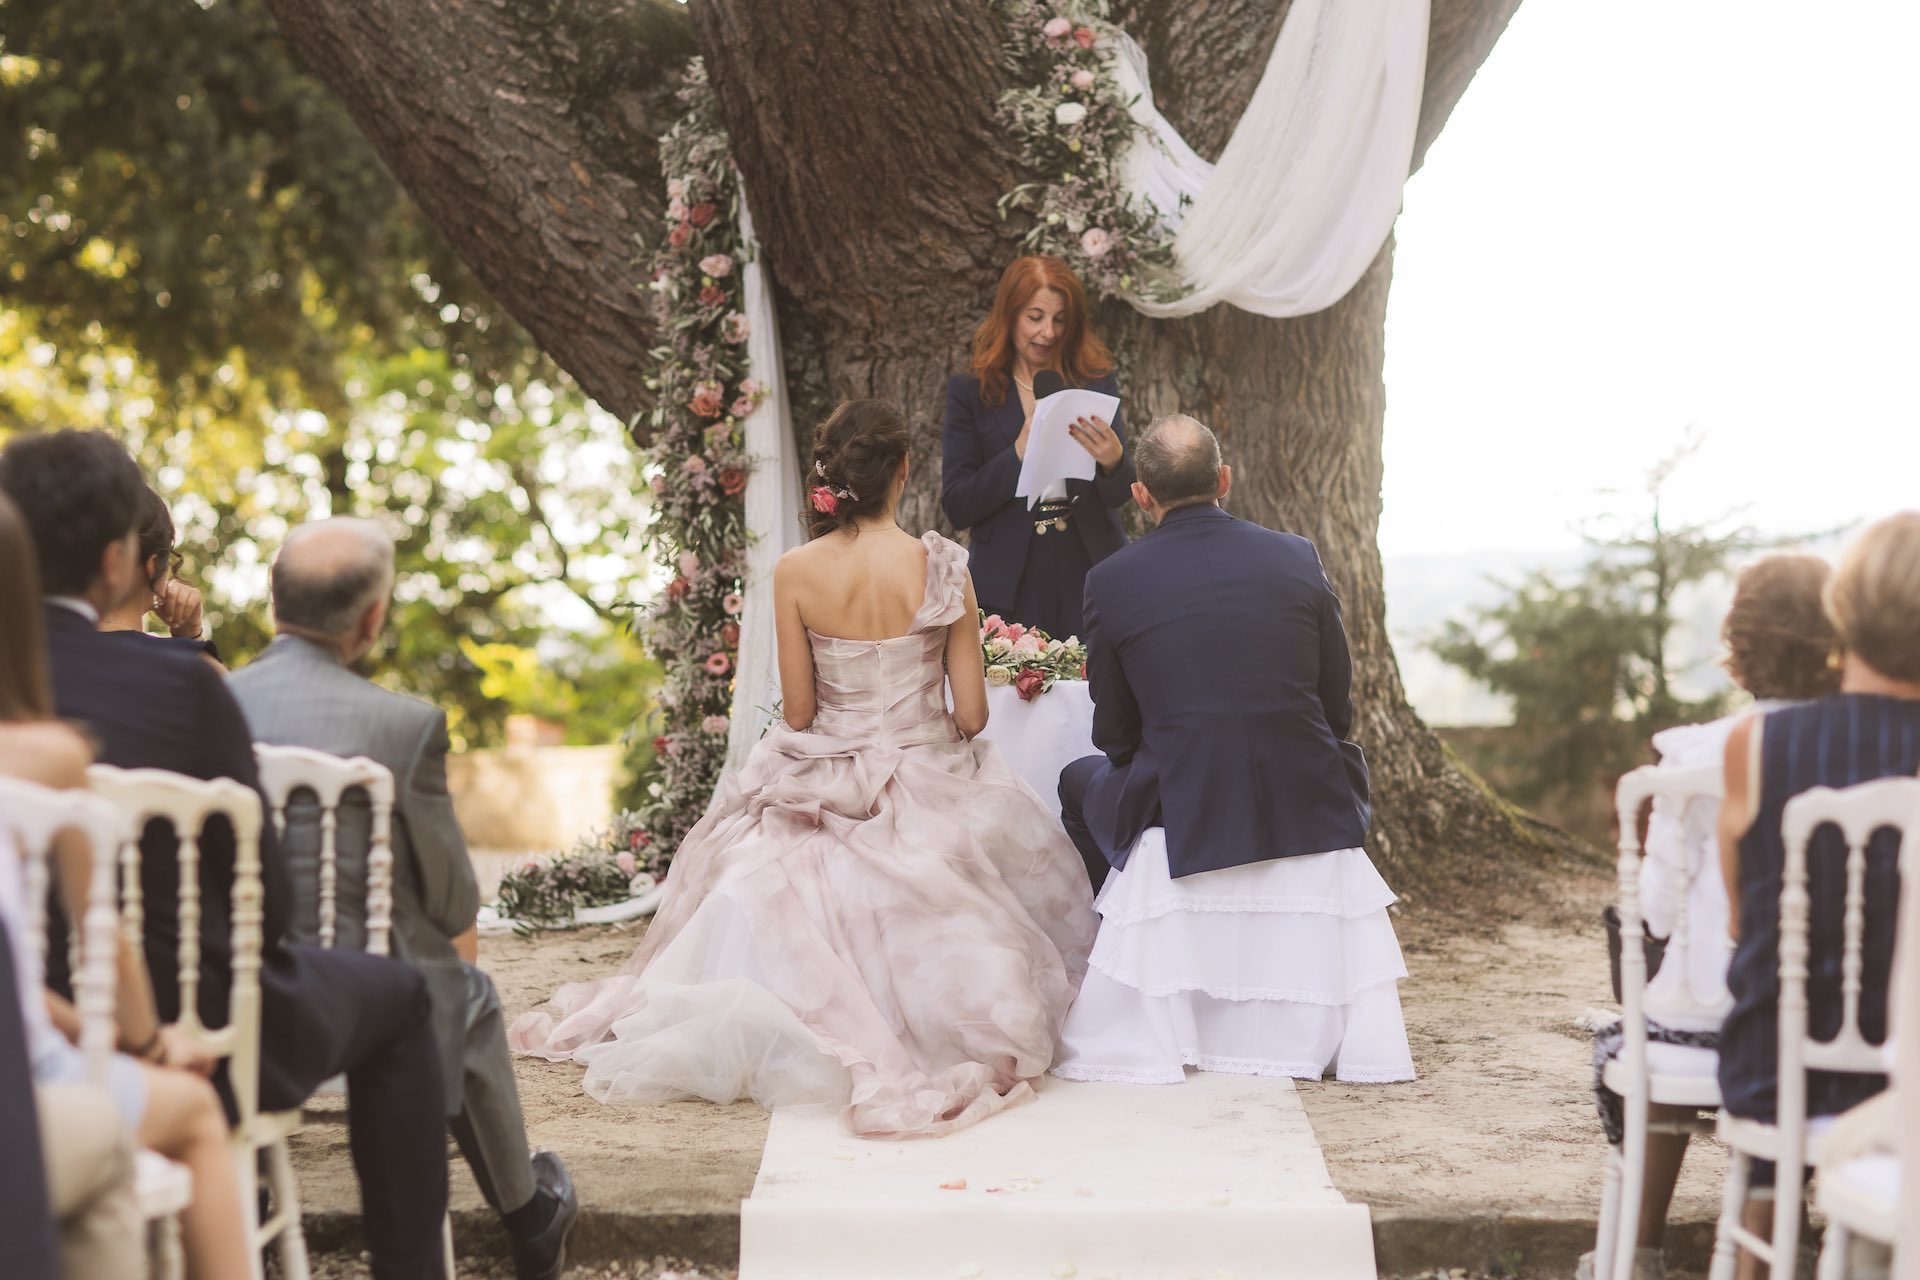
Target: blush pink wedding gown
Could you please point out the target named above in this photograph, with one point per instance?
(874, 912)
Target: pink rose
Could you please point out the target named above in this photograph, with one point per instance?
(824, 502)
(679, 236)
(625, 862)
(718, 664)
(735, 327)
(677, 209)
(689, 564)
(1056, 28)
(995, 625)
(1029, 682)
(751, 387)
(694, 466)
(717, 265)
(634, 840)
(732, 603)
(701, 214)
(673, 746)
(1096, 241)
(732, 481)
(742, 407)
(676, 188)
(714, 726)
(719, 434)
(1084, 37)
(1081, 80)
(658, 484)
(709, 398)
(712, 295)
(1028, 646)
(1014, 631)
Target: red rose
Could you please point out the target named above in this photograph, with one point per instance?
(730, 635)
(679, 236)
(633, 841)
(708, 400)
(1029, 682)
(701, 214)
(712, 295)
(660, 743)
(677, 589)
(1083, 671)
(1084, 37)
(732, 481)
(824, 502)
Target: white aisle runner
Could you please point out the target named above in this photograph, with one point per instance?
(1213, 1179)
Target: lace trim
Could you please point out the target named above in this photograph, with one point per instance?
(1114, 1075)
(1163, 991)
(1376, 1075)
(1164, 905)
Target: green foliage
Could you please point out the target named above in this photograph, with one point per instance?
(207, 258)
(543, 893)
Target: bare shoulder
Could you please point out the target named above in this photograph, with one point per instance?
(45, 751)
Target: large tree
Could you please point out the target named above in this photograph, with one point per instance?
(866, 135)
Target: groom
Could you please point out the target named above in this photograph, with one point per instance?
(1219, 673)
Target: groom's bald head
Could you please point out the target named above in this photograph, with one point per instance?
(1178, 462)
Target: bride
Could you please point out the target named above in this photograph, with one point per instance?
(875, 911)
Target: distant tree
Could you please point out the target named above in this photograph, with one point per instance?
(1585, 660)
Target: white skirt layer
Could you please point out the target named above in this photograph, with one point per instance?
(1281, 968)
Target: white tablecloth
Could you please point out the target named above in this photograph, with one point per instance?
(1039, 738)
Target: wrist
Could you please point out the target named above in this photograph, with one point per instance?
(150, 1051)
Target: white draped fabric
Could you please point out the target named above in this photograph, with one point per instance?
(1310, 182)
(1284, 225)
(772, 511)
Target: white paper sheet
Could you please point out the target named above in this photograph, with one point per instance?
(1053, 455)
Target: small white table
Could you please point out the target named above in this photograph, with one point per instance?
(1039, 738)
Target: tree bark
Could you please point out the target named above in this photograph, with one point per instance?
(866, 136)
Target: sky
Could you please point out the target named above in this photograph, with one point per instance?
(1650, 218)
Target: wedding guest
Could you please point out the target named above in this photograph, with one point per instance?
(27, 1207)
(875, 911)
(1869, 729)
(1030, 565)
(173, 602)
(323, 1012)
(1224, 819)
(1778, 639)
(154, 1092)
(331, 585)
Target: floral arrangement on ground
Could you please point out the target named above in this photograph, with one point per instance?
(1028, 658)
(1070, 117)
(602, 868)
(699, 467)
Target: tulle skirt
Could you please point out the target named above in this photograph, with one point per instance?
(1281, 968)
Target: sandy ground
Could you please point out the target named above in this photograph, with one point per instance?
(1500, 1122)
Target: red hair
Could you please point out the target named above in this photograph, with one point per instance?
(1083, 357)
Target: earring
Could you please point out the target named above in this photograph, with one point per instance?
(1836, 659)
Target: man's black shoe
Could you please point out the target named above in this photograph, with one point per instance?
(544, 1256)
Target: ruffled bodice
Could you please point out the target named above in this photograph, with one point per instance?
(893, 693)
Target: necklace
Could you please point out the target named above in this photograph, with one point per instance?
(1024, 386)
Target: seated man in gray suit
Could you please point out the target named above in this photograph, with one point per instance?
(331, 584)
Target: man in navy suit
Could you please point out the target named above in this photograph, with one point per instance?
(323, 1012)
(1220, 680)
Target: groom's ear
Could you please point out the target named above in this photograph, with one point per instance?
(1226, 479)
(1142, 498)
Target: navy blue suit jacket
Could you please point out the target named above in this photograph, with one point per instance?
(978, 472)
(163, 706)
(1220, 678)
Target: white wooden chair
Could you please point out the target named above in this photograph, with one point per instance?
(142, 795)
(1858, 812)
(36, 815)
(1860, 1195)
(284, 771)
(1630, 1073)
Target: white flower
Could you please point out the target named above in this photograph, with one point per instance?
(1068, 114)
(999, 677)
(1095, 242)
(999, 647)
(1028, 646)
(1057, 28)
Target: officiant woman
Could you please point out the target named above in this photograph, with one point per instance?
(1030, 566)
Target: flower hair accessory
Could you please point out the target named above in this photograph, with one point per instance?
(827, 499)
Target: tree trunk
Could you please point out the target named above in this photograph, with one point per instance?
(866, 136)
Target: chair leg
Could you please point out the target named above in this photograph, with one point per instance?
(169, 1258)
(1633, 1168)
(1609, 1229)
(1733, 1201)
(286, 1199)
(1789, 1201)
(1834, 1250)
(446, 1243)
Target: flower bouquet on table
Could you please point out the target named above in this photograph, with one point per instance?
(604, 869)
(1028, 658)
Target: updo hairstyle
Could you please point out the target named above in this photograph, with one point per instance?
(1777, 634)
(856, 453)
(1874, 597)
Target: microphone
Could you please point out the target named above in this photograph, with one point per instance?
(1046, 382)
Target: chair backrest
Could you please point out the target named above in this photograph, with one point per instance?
(37, 816)
(287, 770)
(142, 795)
(1637, 788)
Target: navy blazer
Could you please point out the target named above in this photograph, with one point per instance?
(163, 706)
(978, 472)
(1220, 678)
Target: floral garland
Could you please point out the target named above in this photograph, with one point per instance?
(1071, 119)
(1028, 658)
(602, 867)
(699, 469)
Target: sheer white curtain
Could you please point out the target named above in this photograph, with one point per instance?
(1309, 184)
(1284, 225)
(772, 511)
